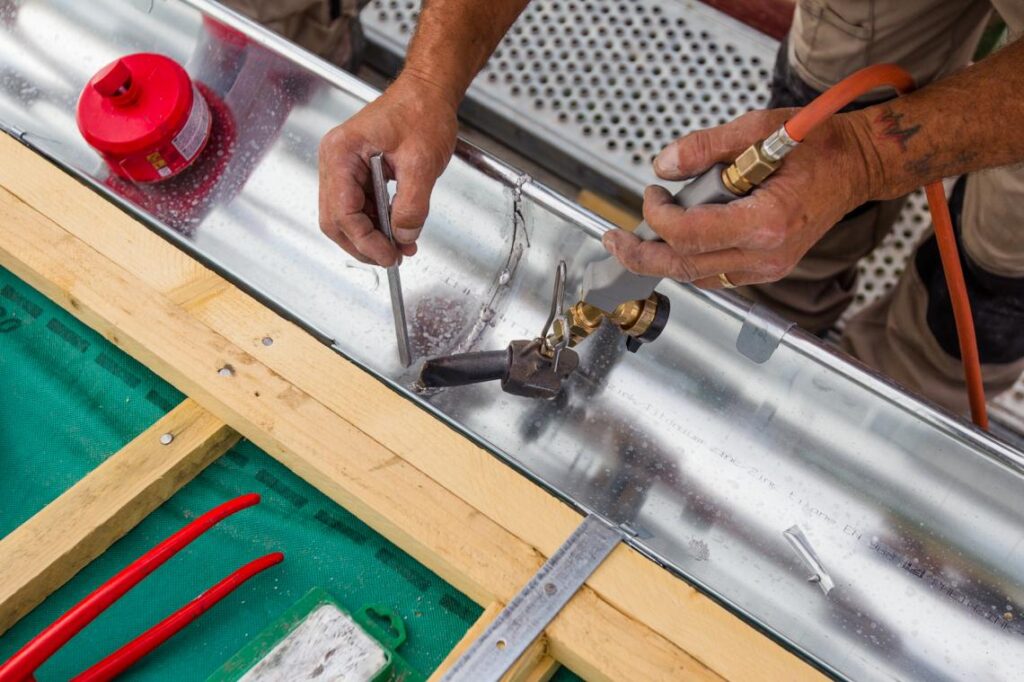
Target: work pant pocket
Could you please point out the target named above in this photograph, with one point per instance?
(829, 40)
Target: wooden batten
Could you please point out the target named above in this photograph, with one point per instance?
(47, 550)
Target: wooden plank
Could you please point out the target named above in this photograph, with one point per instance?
(613, 212)
(444, 532)
(542, 671)
(47, 550)
(190, 293)
(533, 666)
(631, 583)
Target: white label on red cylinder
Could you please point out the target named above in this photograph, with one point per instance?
(192, 135)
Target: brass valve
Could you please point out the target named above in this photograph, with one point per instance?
(537, 368)
(641, 320)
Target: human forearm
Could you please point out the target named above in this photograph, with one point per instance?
(972, 120)
(454, 39)
(413, 124)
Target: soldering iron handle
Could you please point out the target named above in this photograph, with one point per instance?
(705, 189)
(464, 368)
(606, 283)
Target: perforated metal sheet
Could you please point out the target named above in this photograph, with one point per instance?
(882, 268)
(607, 83)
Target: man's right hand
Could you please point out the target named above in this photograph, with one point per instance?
(415, 126)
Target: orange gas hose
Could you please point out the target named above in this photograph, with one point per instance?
(830, 102)
(965, 334)
(846, 91)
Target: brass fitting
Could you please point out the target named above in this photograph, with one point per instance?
(584, 319)
(749, 170)
(633, 318)
(760, 160)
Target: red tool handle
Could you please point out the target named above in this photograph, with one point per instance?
(25, 661)
(125, 657)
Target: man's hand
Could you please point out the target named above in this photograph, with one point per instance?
(414, 124)
(761, 237)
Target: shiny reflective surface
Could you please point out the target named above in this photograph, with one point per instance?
(707, 456)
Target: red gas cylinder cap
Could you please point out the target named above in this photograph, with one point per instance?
(114, 80)
(146, 117)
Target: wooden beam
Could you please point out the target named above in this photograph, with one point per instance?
(47, 550)
(533, 666)
(610, 210)
(635, 586)
(542, 671)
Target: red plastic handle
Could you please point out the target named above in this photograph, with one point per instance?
(114, 80)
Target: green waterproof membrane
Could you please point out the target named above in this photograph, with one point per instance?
(68, 400)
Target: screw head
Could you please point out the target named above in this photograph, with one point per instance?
(166, 439)
(226, 371)
(267, 341)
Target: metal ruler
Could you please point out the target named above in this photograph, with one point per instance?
(536, 605)
(380, 194)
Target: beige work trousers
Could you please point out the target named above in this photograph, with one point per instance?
(829, 40)
(325, 28)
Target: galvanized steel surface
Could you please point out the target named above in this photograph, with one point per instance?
(707, 456)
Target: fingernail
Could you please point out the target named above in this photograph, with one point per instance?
(406, 236)
(668, 160)
(609, 243)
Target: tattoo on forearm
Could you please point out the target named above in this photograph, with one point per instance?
(923, 166)
(893, 128)
(932, 165)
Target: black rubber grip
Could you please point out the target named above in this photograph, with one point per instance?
(464, 368)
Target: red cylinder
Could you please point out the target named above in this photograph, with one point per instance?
(145, 116)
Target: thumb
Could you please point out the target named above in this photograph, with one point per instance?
(694, 153)
(412, 203)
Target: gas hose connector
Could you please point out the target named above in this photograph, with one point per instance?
(779, 144)
(758, 162)
(642, 321)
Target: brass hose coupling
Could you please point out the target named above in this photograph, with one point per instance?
(641, 321)
(758, 162)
